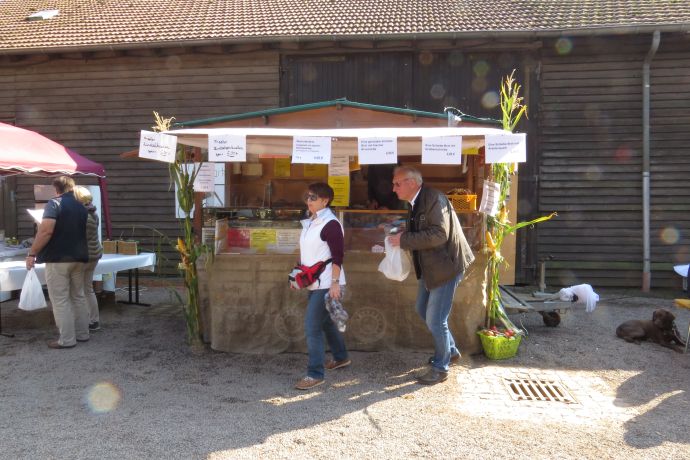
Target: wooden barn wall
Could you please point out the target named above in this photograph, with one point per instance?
(590, 169)
(97, 106)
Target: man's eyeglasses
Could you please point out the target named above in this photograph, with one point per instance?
(311, 197)
(397, 184)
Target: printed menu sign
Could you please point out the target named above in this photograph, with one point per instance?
(340, 166)
(377, 150)
(341, 190)
(281, 167)
(226, 147)
(311, 170)
(442, 150)
(157, 146)
(505, 148)
(311, 149)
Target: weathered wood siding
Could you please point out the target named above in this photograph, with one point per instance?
(97, 105)
(590, 148)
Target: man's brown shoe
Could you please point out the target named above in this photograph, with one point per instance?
(54, 344)
(432, 377)
(330, 365)
(307, 383)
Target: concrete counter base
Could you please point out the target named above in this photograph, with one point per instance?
(248, 307)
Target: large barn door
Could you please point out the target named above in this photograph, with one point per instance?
(382, 79)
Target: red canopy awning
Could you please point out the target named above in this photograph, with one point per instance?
(24, 152)
(28, 152)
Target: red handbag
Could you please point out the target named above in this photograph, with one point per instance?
(303, 276)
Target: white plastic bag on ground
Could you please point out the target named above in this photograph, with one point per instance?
(396, 265)
(32, 297)
(585, 295)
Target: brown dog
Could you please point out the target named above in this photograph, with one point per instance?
(661, 329)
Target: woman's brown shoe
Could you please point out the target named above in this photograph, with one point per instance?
(308, 382)
(330, 365)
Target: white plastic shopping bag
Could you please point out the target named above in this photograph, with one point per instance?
(32, 297)
(396, 265)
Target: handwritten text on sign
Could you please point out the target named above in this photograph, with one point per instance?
(157, 146)
(505, 148)
(378, 150)
(442, 150)
(491, 193)
(225, 147)
(205, 178)
(311, 149)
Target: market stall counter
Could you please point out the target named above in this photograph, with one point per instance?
(248, 307)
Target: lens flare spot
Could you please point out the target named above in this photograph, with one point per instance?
(670, 235)
(426, 58)
(490, 100)
(567, 278)
(593, 173)
(481, 68)
(103, 397)
(309, 73)
(623, 154)
(438, 91)
(563, 46)
(173, 62)
(479, 85)
(456, 59)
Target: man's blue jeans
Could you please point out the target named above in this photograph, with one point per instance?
(317, 323)
(434, 308)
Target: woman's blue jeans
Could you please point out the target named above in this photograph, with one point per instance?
(317, 323)
(434, 308)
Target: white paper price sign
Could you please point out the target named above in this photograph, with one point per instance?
(505, 148)
(340, 166)
(311, 149)
(205, 178)
(377, 150)
(491, 193)
(157, 146)
(224, 147)
(442, 150)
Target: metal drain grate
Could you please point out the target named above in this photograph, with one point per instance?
(537, 389)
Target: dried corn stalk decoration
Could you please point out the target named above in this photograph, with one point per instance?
(189, 250)
(512, 109)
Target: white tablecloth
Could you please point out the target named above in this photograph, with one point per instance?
(12, 273)
(11, 251)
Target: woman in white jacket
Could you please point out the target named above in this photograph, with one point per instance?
(322, 239)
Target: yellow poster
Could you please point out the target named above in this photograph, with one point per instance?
(259, 239)
(311, 170)
(341, 188)
(281, 167)
(354, 164)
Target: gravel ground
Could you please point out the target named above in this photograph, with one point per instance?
(135, 390)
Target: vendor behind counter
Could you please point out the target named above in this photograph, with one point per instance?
(380, 187)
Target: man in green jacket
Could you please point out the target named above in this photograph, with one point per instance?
(441, 254)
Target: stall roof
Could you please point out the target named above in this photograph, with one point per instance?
(336, 102)
(279, 140)
(28, 152)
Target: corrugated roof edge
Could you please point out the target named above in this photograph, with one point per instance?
(319, 105)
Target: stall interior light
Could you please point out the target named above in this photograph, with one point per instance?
(41, 15)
